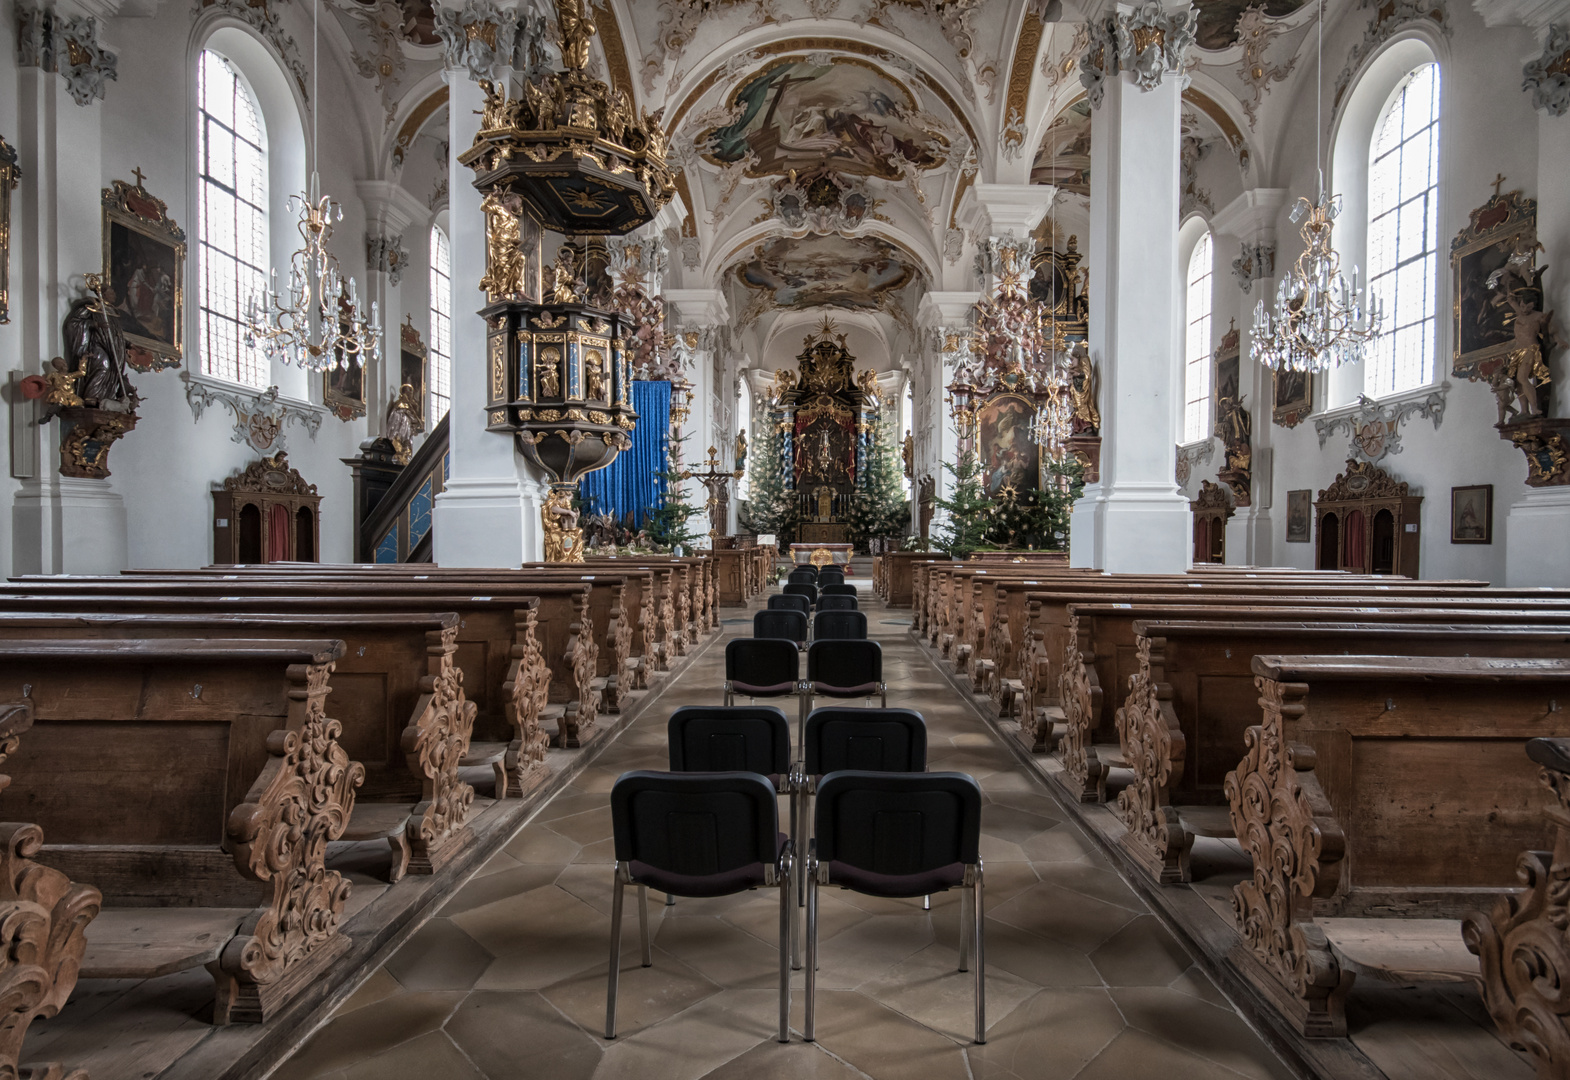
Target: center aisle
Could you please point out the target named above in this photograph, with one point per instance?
(509, 980)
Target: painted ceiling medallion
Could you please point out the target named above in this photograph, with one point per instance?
(860, 274)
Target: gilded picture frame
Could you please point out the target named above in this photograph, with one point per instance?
(1292, 395)
(1481, 330)
(144, 275)
(1009, 455)
(1472, 514)
(10, 177)
(412, 359)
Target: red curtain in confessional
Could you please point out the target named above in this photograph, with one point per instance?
(1356, 541)
(278, 522)
(1201, 540)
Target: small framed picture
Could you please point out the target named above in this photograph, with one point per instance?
(1472, 514)
(1300, 516)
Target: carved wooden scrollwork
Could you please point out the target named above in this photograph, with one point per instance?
(677, 642)
(619, 636)
(527, 691)
(582, 658)
(279, 833)
(1286, 824)
(1001, 638)
(1079, 694)
(1034, 724)
(1523, 945)
(434, 743)
(1154, 747)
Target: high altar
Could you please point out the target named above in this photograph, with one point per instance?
(824, 405)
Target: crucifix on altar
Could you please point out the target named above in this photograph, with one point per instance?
(714, 479)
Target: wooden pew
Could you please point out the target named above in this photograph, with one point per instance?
(188, 774)
(1101, 656)
(1380, 798)
(1182, 726)
(397, 695)
(897, 585)
(502, 648)
(46, 915)
(1522, 953)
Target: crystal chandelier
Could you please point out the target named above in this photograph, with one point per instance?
(316, 323)
(1319, 321)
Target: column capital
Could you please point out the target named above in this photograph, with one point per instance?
(1536, 14)
(1148, 41)
(66, 44)
(390, 208)
(485, 39)
(1004, 209)
(698, 307)
(939, 309)
(1252, 215)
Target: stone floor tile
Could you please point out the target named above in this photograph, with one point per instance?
(538, 844)
(479, 891)
(1062, 843)
(883, 1042)
(419, 1059)
(1103, 885)
(785, 1061)
(368, 1031)
(1063, 915)
(1206, 1031)
(1134, 1053)
(440, 956)
(378, 987)
(1013, 824)
(521, 1036)
(497, 863)
(1196, 982)
(1143, 953)
(587, 827)
(697, 1040)
(645, 995)
(930, 988)
(721, 952)
(1036, 959)
(870, 948)
(1052, 1036)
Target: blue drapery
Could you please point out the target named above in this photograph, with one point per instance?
(634, 482)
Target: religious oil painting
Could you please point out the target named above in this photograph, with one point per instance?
(1064, 157)
(1218, 19)
(1009, 456)
(144, 257)
(343, 384)
(1294, 392)
(1300, 516)
(9, 176)
(412, 358)
(846, 115)
(1483, 329)
(1472, 514)
(830, 271)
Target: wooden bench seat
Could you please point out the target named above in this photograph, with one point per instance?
(1383, 787)
(198, 774)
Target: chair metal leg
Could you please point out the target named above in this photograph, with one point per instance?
(787, 945)
(978, 916)
(807, 1029)
(643, 924)
(615, 970)
(926, 902)
(965, 931)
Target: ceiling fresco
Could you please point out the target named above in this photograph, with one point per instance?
(1064, 157)
(859, 273)
(846, 115)
(1218, 18)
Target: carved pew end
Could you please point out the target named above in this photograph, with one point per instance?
(493, 754)
(245, 1002)
(384, 821)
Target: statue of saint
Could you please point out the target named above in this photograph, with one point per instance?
(564, 274)
(741, 450)
(404, 421)
(95, 351)
(1082, 385)
(563, 538)
(908, 452)
(577, 31)
(504, 258)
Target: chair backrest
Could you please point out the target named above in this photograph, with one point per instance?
(845, 665)
(796, 588)
(831, 574)
(830, 602)
(898, 824)
(780, 624)
(784, 602)
(695, 824)
(770, 665)
(870, 740)
(738, 738)
(831, 625)
(838, 589)
(806, 576)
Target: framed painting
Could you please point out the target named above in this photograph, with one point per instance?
(412, 355)
(1226, 376)
(343, 384)
(1482, 331)
(1009, 456)
(1293, 396)
(1300, 516)
(144, 274)
(10, 174)
(1472, 514)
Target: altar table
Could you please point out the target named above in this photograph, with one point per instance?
(802, 553)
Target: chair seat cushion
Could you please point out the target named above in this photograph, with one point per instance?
(759, 691)
(896, 885)
(741, 879)
(844, 691)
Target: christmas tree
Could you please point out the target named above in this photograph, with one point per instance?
(1038, 519)
(669, 522)
(967, 512)
(880, 508)
(771, 505)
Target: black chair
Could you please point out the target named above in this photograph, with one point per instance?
(739, 738)
(899, 835)
(781, 624)
(782, 602)
(838, 625)
(761, 667)
(831, 575)
(830, 602)
(840, 589)
(808, 574)
(711, 834)
(845, 669)
(796, 588)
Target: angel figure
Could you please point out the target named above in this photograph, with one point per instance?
(563, 539)
(577, 31)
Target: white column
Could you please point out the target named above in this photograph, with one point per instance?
(700, 311)
(1135, 519)
(941, 315)
(482, 518)
(1246, 231)
(389, 210)
(59, 524)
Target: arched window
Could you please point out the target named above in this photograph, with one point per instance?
(1196, 348)
(441, 324)
(1403, 234)
(231, 220)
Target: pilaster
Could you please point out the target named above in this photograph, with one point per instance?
(389, 211)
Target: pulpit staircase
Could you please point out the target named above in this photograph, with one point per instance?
(393, 503)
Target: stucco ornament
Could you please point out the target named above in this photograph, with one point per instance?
(485, 41)
(1255, 262)
(1547, 78)
(1153, 41)
(386, 255)
(68, 46)
(1099, 61)
(1374, 428)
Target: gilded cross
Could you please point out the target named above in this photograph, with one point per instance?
(137, 172)
(1498, 182)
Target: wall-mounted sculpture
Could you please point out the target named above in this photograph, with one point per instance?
(88, 389)
(1234, 426)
